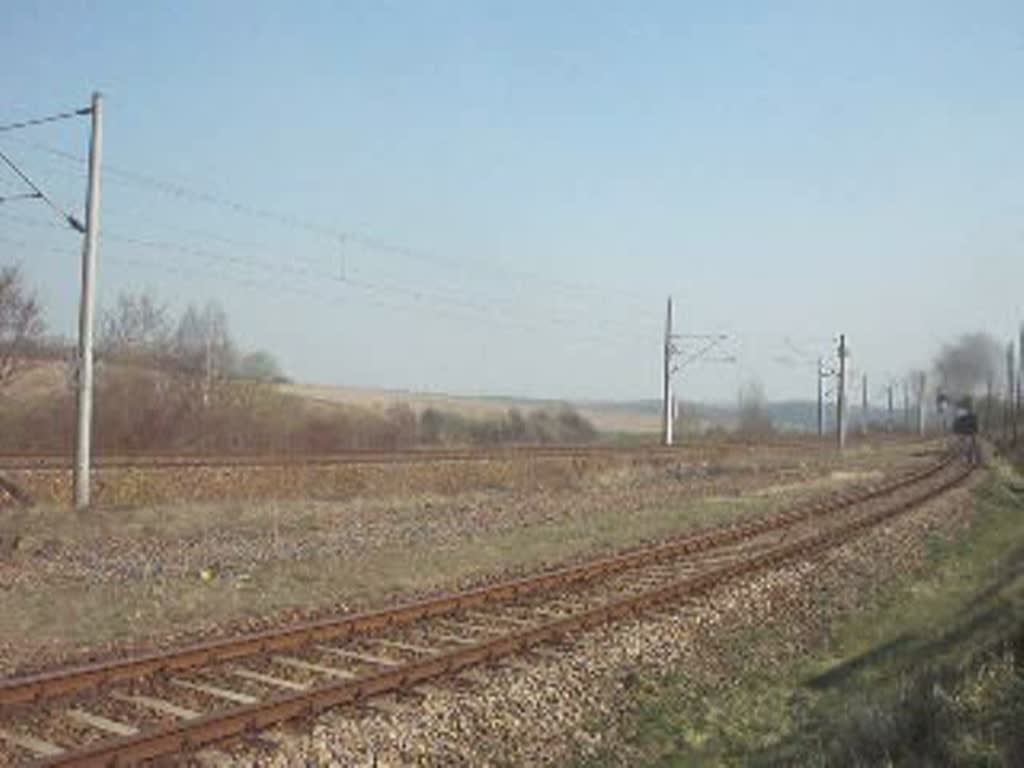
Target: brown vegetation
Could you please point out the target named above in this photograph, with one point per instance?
(21, 323)
(166, 385)
(140, 410)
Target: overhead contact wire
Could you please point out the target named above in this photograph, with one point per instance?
(45, 120)
(74, 223)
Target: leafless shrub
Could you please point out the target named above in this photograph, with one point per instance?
(21, 323)
(137, 327)
(181, 386)
(539, 426)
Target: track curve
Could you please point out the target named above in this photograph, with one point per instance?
(599, 591)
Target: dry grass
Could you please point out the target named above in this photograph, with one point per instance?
(73, 584)
(142, 485)
(39, 379)
(606, 418)
(75, 614)
(382, 399)
(138, 575)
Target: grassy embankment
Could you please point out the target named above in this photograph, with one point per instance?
(932, 674)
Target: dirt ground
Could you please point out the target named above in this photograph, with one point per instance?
(85, 586)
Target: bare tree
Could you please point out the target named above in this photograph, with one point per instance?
(203, 351)
(136, 326)
(21, 323)
(202, 342)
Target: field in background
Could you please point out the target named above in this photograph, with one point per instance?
(49, 378)
(635, 420)
(606, 417)
(182, 411)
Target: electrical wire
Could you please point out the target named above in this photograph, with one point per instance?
(319, 275)
(71, 220)
(19, 196)
(700, 353)
(419, 295)
(330, 272)
(348, 239)
(45, 120)
(368, 241)
(379, 295)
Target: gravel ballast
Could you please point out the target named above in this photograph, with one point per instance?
(575, 703)
(91, 587)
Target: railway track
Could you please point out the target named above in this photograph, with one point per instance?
(171, 702)
(59, 462)
(28, 462)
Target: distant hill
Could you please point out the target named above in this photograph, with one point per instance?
(47, 378)
(607, 417)
(786, 415)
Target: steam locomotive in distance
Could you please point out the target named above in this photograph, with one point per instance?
(965, 421)
(965, 425)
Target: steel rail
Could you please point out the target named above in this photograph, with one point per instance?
(159, 460)
(147, 461)
(189, 735)
(33, 688)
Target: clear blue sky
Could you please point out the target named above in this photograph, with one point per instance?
(554, 170)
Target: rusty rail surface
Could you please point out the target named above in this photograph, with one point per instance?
(31, 461)
(184, 736)
(398, 456)
(70, 680)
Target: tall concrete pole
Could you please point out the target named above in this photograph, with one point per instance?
(667, 383)
(906, 406)
(922, 385)
(208, 366)
(1010, 389)
(821, 398)
(1020, 386)
(889, 421)
(864, 404)
(989, 387)
(86, 311)
(841, 395)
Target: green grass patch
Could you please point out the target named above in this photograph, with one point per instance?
(931, 674)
